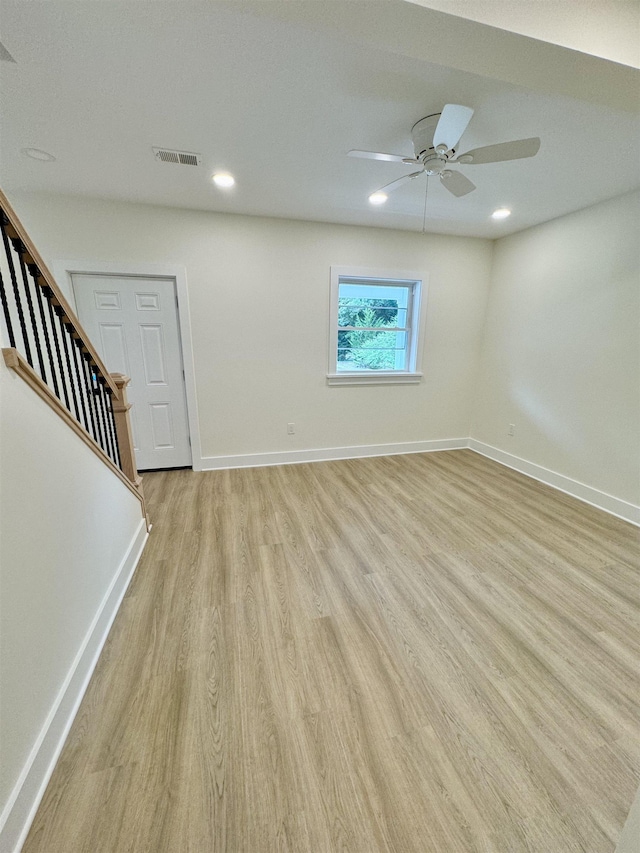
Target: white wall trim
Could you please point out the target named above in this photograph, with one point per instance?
(64, 269)
(614, 506)
(380, 377)
(327, 454)
(25, 798)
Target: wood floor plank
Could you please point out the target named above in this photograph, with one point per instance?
(412, 654)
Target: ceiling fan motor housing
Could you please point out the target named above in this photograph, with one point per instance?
(422, 136)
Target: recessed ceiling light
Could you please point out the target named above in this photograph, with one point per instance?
(501, 213)
(378, 198)
(223, 179)
(38, 154)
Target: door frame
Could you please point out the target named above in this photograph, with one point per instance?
(63, 270)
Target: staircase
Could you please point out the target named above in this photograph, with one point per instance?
(52, 353)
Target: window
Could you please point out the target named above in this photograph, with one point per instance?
(375, 319)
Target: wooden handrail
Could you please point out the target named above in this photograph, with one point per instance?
(80, 383)
(129, 476)
(32, 256)
(17, 362)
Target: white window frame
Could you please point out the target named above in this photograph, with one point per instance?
(416, 315)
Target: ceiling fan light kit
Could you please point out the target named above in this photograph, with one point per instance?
(435, 138)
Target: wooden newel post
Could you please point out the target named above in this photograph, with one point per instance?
(122, 420)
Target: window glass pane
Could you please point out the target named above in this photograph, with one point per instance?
(372, 350)
(399, 295)
(352, 315)
(370, 307)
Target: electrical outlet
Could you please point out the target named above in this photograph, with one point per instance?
(512, 429)
(291, 428)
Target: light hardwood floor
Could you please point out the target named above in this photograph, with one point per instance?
(417, 654)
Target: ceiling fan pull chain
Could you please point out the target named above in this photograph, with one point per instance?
(424, 215)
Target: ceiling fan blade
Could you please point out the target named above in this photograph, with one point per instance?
(387, 188)
(377, 155)
(457, 183)
(451, 125)
(516, 150)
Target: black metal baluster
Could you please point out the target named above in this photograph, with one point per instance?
(102, 413)
(94, 399)
(112, 426)
(105, 409)
(75, 352)
(19, 246)
(45, 333)
(86, 357)
(73, 374)
(74, 377)
(48, 293)
(7, 315)
(95, 389)
(63, 330)
(14, 281)
(88, 386)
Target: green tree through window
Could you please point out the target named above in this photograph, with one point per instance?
(371, 328)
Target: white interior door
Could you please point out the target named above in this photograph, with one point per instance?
(133, 323)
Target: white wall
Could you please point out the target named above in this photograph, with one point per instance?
(561, 345)
(561, 352)
(606, 28)
(259, 298)
(67, 527)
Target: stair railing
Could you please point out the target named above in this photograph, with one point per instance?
(52, 352)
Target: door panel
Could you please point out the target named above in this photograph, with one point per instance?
(161, 425)
(105, 300)
(114, 348)
(133, 323)
(147, 302)
(152, 343)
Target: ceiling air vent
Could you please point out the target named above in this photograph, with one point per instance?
(182, 158)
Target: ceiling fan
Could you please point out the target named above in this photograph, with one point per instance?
(434, 141)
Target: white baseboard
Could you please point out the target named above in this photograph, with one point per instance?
(614, 506)
(30, 787)
(327, 454)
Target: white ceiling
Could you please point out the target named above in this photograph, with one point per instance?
(278, 92)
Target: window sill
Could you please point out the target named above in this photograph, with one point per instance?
(374, 378)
